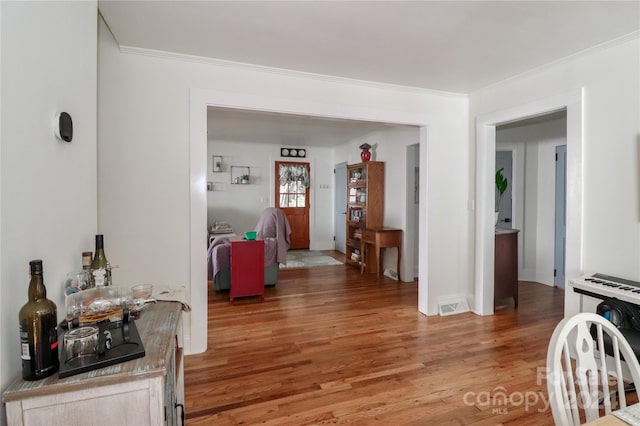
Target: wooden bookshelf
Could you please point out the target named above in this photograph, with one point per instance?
(365, 205)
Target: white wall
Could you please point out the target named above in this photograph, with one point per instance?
(322, 198)
(241, 205)
(531, 213)
(48, 187)
(144, 183)
(4, 378)
(534, 165)
(611, 82)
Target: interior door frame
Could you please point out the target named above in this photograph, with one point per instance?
(195, 324)
(485, 189)
(276, 192)
(560, 241)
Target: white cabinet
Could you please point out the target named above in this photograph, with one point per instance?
(143, 391)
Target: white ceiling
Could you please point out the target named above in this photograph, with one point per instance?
(452, 46)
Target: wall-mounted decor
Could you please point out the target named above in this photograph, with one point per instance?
(293, 152)
(215, 186)
(217, 163)
(240, 175)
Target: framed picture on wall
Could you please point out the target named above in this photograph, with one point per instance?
(217, 163)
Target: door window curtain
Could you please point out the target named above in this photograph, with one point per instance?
(294, 181)
(291, 173)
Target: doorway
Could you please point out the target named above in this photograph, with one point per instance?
(413, 207)
(572, 102)
(292, 182)
(504, 161)
(195, 338)
(530, 147)
(339, 207)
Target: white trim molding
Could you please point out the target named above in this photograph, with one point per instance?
(200, 99)
(485, 169)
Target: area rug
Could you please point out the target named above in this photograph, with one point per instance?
(308, 259)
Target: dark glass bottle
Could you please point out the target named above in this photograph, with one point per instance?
(100, 264)
(38, 321)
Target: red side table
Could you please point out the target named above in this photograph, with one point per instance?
(247, 268)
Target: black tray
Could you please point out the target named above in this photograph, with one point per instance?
(125, 345)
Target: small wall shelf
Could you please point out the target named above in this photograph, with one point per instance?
(240, 175)
(215, 186)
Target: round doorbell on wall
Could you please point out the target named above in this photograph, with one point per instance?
(63, 127)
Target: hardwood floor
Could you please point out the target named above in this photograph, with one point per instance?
(331, 346)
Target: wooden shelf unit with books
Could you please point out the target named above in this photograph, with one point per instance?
(365, 205)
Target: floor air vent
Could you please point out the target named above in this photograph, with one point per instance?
(452, 307)
(391, 274)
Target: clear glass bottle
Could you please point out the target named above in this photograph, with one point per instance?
(86, 260)
(99, 265)
(86, 269)
(38, 320)
(81, 280)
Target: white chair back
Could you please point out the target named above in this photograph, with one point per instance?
(578, 375)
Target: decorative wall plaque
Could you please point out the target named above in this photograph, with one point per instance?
(293, 152)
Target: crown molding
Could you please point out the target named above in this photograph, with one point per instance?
(366, 83)
(585, 52)
(284, 72)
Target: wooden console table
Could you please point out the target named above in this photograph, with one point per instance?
(381, 238)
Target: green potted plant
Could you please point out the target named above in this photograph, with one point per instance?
(244, 179)
(501, 186)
